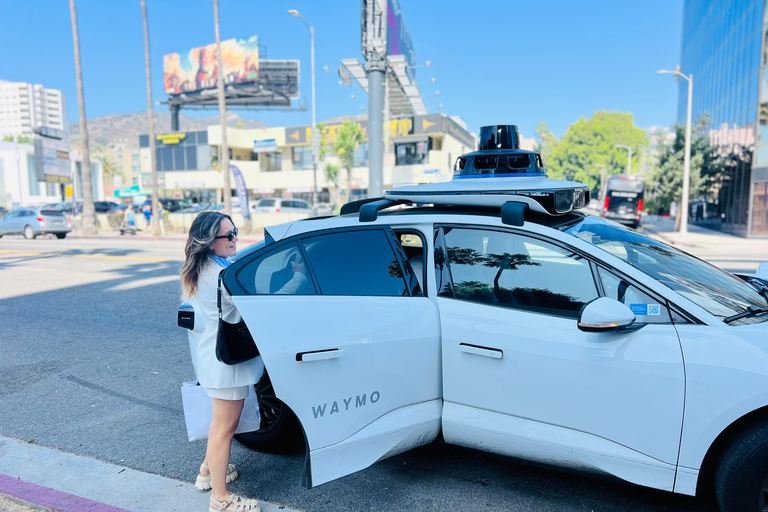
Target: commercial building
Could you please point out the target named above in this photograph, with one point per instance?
(24, 107)
(278, 161)
(723, 48)
(20, 183)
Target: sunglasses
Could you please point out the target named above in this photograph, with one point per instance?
(229, 236)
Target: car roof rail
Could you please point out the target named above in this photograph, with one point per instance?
(354, 206)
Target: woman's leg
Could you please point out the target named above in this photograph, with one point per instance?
(226, 416)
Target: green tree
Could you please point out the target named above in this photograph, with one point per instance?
(349, 139)
(546, 142)
(666, 180)
(8, 138)
(589, 143)
(108, 167)
(23, 139)
(239, 125)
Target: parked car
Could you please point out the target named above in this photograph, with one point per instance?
(499, 314)
(281, 205)
(32, 222)
(172, 205)
(103, 206)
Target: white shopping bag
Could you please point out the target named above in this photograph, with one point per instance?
(198, 411)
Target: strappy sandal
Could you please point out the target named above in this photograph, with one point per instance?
(203, 482)
(239, 504)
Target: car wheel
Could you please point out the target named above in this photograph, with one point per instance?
(741, 481)
(60, 235)
(29, 233)
(280, 431)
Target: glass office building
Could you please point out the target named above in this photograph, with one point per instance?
(723, 48)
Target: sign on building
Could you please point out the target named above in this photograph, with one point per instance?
(265, 146)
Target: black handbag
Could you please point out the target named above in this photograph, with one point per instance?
(234, 343)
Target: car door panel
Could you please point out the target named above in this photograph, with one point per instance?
(506, 356)
(540, 442)
(359, 366)
(625, 387)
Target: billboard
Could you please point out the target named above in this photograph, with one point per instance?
(198, 69)
(52, 155)
(398, 39)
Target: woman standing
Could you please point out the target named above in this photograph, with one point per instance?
(212, 239)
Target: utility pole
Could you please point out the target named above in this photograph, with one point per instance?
(377, 69)
(89, 212)
(224, 156)
(156, 210)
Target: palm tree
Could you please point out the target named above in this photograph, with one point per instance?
(152, 156)
(350, 137)
(89, 212)
(224, 153)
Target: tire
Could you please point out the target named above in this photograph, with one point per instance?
(29, 233)
(280, 431)
(60, 235)
(741, 481)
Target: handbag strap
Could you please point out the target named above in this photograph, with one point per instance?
(218, 297)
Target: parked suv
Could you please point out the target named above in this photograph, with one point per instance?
(32, 222)
(493, 311)
(282, 205)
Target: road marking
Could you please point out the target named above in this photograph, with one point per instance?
(130, 285)
(103, 256)
(109, 257)
(21, 253)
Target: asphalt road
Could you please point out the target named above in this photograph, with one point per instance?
(91, 362)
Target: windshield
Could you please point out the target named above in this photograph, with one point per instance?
(715, 290)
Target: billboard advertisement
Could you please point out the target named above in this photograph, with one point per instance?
(52, 155)
(197, 69)
(398, 39)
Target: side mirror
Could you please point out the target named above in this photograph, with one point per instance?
(604, 315)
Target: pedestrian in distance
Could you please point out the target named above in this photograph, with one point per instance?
(212, 240)
(148, 215)
(130, 218)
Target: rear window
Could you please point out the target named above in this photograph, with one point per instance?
(355, 263)
(51, 213)
(267, 202)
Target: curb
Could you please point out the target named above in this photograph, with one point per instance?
(668, 238)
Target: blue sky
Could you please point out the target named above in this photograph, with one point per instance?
(496, 62)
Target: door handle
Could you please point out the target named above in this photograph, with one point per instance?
(319, 355)
(481, 351)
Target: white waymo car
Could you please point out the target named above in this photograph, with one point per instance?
(488, 308)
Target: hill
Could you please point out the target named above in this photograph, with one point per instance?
(121, 131)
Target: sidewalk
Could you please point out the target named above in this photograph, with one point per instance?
(733, 253)
(34, 478)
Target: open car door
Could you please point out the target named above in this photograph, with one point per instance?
(351, 344)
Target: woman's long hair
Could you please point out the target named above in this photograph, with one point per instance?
(202, 234)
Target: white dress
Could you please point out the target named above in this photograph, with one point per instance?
(212, 373)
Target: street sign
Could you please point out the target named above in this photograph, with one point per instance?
(344, 75)
(68, 191)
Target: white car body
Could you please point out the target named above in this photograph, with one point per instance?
(371, 377)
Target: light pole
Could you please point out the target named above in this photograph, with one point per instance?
(687, 162)
(629, 161)
(315, 135)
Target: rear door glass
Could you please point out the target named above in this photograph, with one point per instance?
(355, 263)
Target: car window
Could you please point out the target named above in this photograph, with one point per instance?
(646, 309)
(515, 271)
(51, 213)
(11, 215)
(279, 272)
(267, 202)
(709, 287)
(355, 263)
